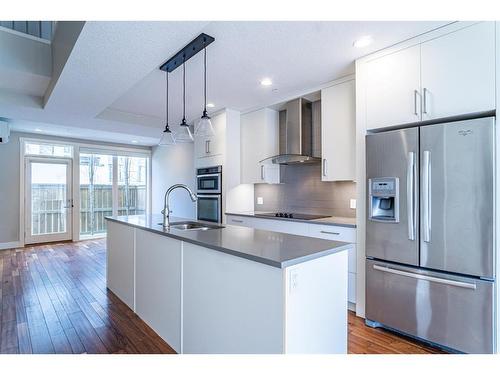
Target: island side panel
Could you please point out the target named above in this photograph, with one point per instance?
(158, 285)
(120, 253)
(316, 305)
(231, 304)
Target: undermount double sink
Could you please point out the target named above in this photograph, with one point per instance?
(192, 225)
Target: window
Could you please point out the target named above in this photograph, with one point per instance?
(47, 149)
(105, 191)
(132, 185)
(96, 192)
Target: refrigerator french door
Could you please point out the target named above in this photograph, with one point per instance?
(430, 268)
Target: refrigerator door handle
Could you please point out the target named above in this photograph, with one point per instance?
(426, 196)
(410, 195)
(439, 280)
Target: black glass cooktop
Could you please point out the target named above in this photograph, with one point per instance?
(293, 215)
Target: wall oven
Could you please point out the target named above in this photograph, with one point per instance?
(209, 191)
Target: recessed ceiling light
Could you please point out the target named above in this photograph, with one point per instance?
(134, 141)
(38, 130)
(363, 41)
(266, 82)
(210, 105)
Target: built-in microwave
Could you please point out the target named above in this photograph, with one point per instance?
(209, 180)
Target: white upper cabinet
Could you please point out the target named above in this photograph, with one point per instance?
(392, 89)
(450, 75)
(259, 140)
(338, 132)
(458, 72)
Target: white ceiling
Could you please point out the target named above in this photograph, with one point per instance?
(111, 83)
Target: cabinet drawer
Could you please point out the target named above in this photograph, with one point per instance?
(240, 221)
(453, 311)
(331, 232)
(282, 226)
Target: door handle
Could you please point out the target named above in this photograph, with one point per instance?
(415, 94)
(207, 146)
(324, 167)
(262, 172)
(410, 194)
(419, 276)
(426, 197)
(424, 110)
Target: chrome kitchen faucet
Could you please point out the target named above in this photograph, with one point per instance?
(166, 204)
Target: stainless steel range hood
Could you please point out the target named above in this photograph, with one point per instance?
(296, 138)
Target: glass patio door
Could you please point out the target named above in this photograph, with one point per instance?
(48, 200)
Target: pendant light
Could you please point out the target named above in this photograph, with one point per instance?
(204, 127)
(184, 135)
(167, 139)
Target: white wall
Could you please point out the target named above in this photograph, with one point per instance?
(9, 190)
(173, 165)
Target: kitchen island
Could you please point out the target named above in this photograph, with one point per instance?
(230, 290)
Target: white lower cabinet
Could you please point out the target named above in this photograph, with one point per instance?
(244, 297)
(158, 267)
(327, 232)
(120, 242)
(200, 300)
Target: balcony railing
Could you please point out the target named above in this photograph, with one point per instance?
(96, 202)
(38, 29)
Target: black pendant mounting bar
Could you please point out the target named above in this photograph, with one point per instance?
(191, 49)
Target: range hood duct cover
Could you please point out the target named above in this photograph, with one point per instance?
(295, 135)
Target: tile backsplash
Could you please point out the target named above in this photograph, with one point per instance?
(303, 191)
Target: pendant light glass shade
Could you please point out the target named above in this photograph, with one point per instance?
(167, 139)
(184, 133)
(204, 127)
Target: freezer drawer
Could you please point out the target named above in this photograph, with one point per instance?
(453, 311)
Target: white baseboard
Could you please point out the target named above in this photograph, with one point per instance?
(10, 245)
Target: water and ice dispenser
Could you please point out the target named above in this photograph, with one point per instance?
(384, 199)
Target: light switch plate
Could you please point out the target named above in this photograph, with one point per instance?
(353, 204)
(260, 200)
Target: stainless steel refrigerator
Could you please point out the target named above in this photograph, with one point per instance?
(430, 233)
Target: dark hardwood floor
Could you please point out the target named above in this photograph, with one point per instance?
(53, 299)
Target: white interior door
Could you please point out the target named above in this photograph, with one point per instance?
(48, 199)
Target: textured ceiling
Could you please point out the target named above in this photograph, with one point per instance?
(111, 82)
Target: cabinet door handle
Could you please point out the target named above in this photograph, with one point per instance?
(262, 172)
(415, 94)
(237, 221)
(327, 232)
(424, 110)
(324, 167)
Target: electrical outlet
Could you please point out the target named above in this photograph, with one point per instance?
(353, 204)
(260, 200)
